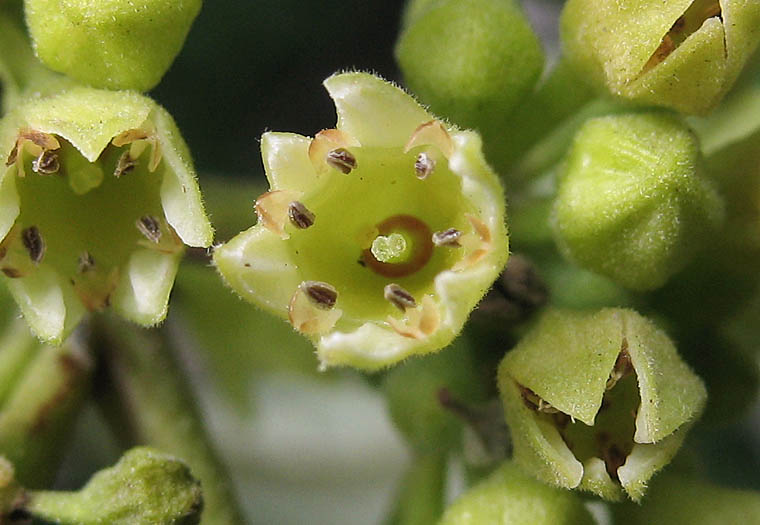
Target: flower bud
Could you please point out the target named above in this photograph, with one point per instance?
(682, 54)
(372, 278)
(97, 199)
(509, 496)
(631, 204)
(20, 71)
(145, 486)
(598, 401)
(121, 44)
(471, 61)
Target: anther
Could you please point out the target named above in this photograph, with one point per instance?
(125, 165)
(448, 237)
(321, 294)
(424, 165)
(46, 163)
(399, 297)
(341, 159)
(33, 243)
(300, 216)
(149, 227)
(85, 262)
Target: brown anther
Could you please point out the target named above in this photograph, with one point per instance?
(321, 294)
(667, 46)
(399, 297)
(86, 262)
(448, 237)
(125, 165)
(424, 165)
(342, 160)
(300, 216)
(149, 227)
(33, 243)
(46, 163)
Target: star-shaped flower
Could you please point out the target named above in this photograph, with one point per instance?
(377, 238)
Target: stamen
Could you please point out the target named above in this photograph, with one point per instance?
(33, 243)
(420, 322)
(424, 165)
(342, 160)
(431, 133)
(448, 237)
(326, 141)
(312, 307)
(46, 163)
(399, 297)
(125, 165)
(323, 295)
(86, 262)
(273, 210)
(149, 227)
(300, 216)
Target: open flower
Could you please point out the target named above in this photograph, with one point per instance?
(97, 199)
(599, 401)
(377, 238)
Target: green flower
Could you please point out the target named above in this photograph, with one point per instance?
(682, 54)
(97, 199)
(632, 204)
(599, 401)
(377, 238)
(113, 44)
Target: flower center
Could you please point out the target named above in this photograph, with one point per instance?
(403, 246)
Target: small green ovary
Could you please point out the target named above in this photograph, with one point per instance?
(350, 208)
(391, 249)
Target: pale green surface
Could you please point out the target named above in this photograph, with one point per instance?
(567, 358)
(671, 394)
(611, 41)
(113, 44)
(471, 61)
(510, 497)
(145, 486)
(266, 269)
(631, 203)
(678, 499)
(538, 447)
(411, 391)
(89, 211)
